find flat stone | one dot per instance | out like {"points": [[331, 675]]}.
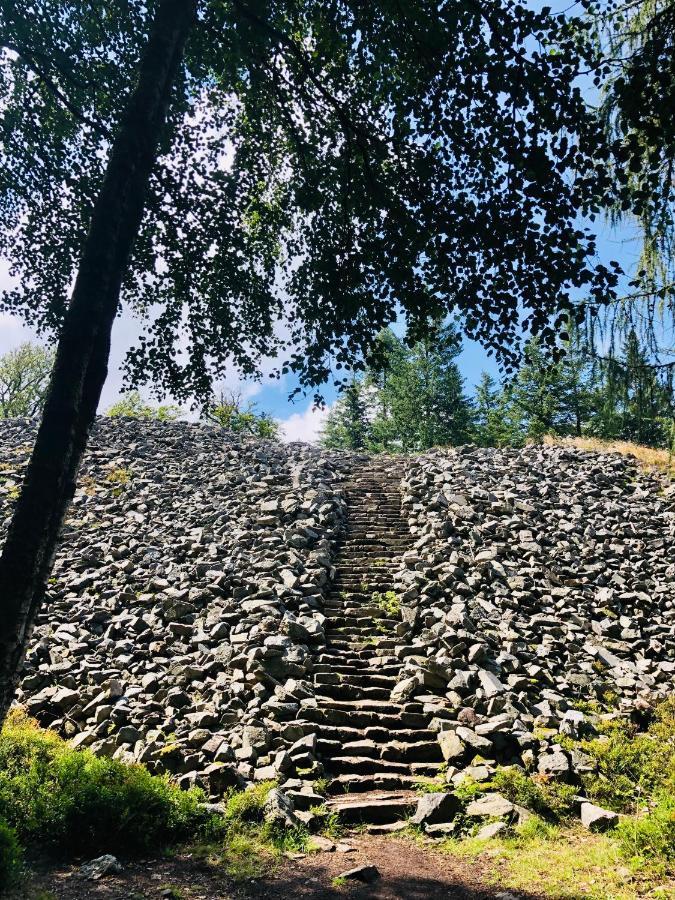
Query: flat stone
{"points": [[595, 818], [452, 747], [366, 873], [491, 830], [493, 805], [433, 809], [319, 844]]}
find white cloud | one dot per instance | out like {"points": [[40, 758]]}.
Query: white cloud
{"points": [[304, 426]]}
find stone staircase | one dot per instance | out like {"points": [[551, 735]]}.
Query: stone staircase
{"points": [[374, 750]]}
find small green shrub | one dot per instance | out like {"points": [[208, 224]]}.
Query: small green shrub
{"points": [[552, 800], [56, 796], [468, 789], [650, 836], [248, 805], [10, 855], [632, 765]]}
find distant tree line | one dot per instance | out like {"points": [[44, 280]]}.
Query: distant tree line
{"points": [[24, 378], [413, 397]]}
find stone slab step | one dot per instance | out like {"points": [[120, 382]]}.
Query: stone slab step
{"points": [[356, 680], [346, 784], [351, 692], [364, 765], [367, 719]]}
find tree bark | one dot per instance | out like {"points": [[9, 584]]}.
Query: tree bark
{"points": [[81, 364]]}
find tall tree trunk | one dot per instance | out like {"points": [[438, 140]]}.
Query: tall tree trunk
{"points": [[81, 363]]}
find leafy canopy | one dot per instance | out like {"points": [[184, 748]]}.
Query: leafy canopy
{"points": [[133, 406], [24, 377], [324, 166]]}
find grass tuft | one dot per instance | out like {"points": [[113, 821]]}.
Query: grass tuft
{"points": [[650, 458]]}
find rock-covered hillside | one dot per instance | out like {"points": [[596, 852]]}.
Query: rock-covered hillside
{"points": [[187, 588], [188, 603], [540, 578]]}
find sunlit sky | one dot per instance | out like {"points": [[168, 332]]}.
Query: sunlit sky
{"points": [[299, 420]]}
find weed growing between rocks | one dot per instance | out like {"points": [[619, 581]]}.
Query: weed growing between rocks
{"points": [[388, 602], [243, 842]]}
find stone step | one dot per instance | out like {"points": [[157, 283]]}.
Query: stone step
{"points": [[364, 765], [340, 611], [361, 630], [370, 680], [351, 645], [347, 784], [378, 808], [413, 751], [360, 719], [346, 734], [362, 659], [346, 691], [386, 707]]}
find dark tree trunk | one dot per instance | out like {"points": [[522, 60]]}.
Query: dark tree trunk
{"points": [[81, 362]]}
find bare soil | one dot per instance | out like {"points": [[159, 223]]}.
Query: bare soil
{"points": [[407, 872]]}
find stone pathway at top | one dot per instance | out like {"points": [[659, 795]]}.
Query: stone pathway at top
{"points": [[374, 750]]}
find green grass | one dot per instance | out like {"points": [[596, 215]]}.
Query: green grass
{"points": [[550, 799], [565, 864], [243, 845], [635, 776], [247, 806], [431, 786]]}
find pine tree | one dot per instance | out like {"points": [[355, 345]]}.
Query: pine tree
{"points": [[496, 423], [347, 426], [554, 397], [536, 393], [422, 400], [631, 403]]}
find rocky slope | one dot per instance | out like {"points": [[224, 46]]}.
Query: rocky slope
{"points": [[186, 598], [541, 580], [229, 610]]}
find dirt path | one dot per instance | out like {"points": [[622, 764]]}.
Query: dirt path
{"points": [[407, 872]]}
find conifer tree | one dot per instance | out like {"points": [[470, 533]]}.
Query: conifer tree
{"points": [[495, 421], [630, 402], [347, 426], [422, 401]]}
